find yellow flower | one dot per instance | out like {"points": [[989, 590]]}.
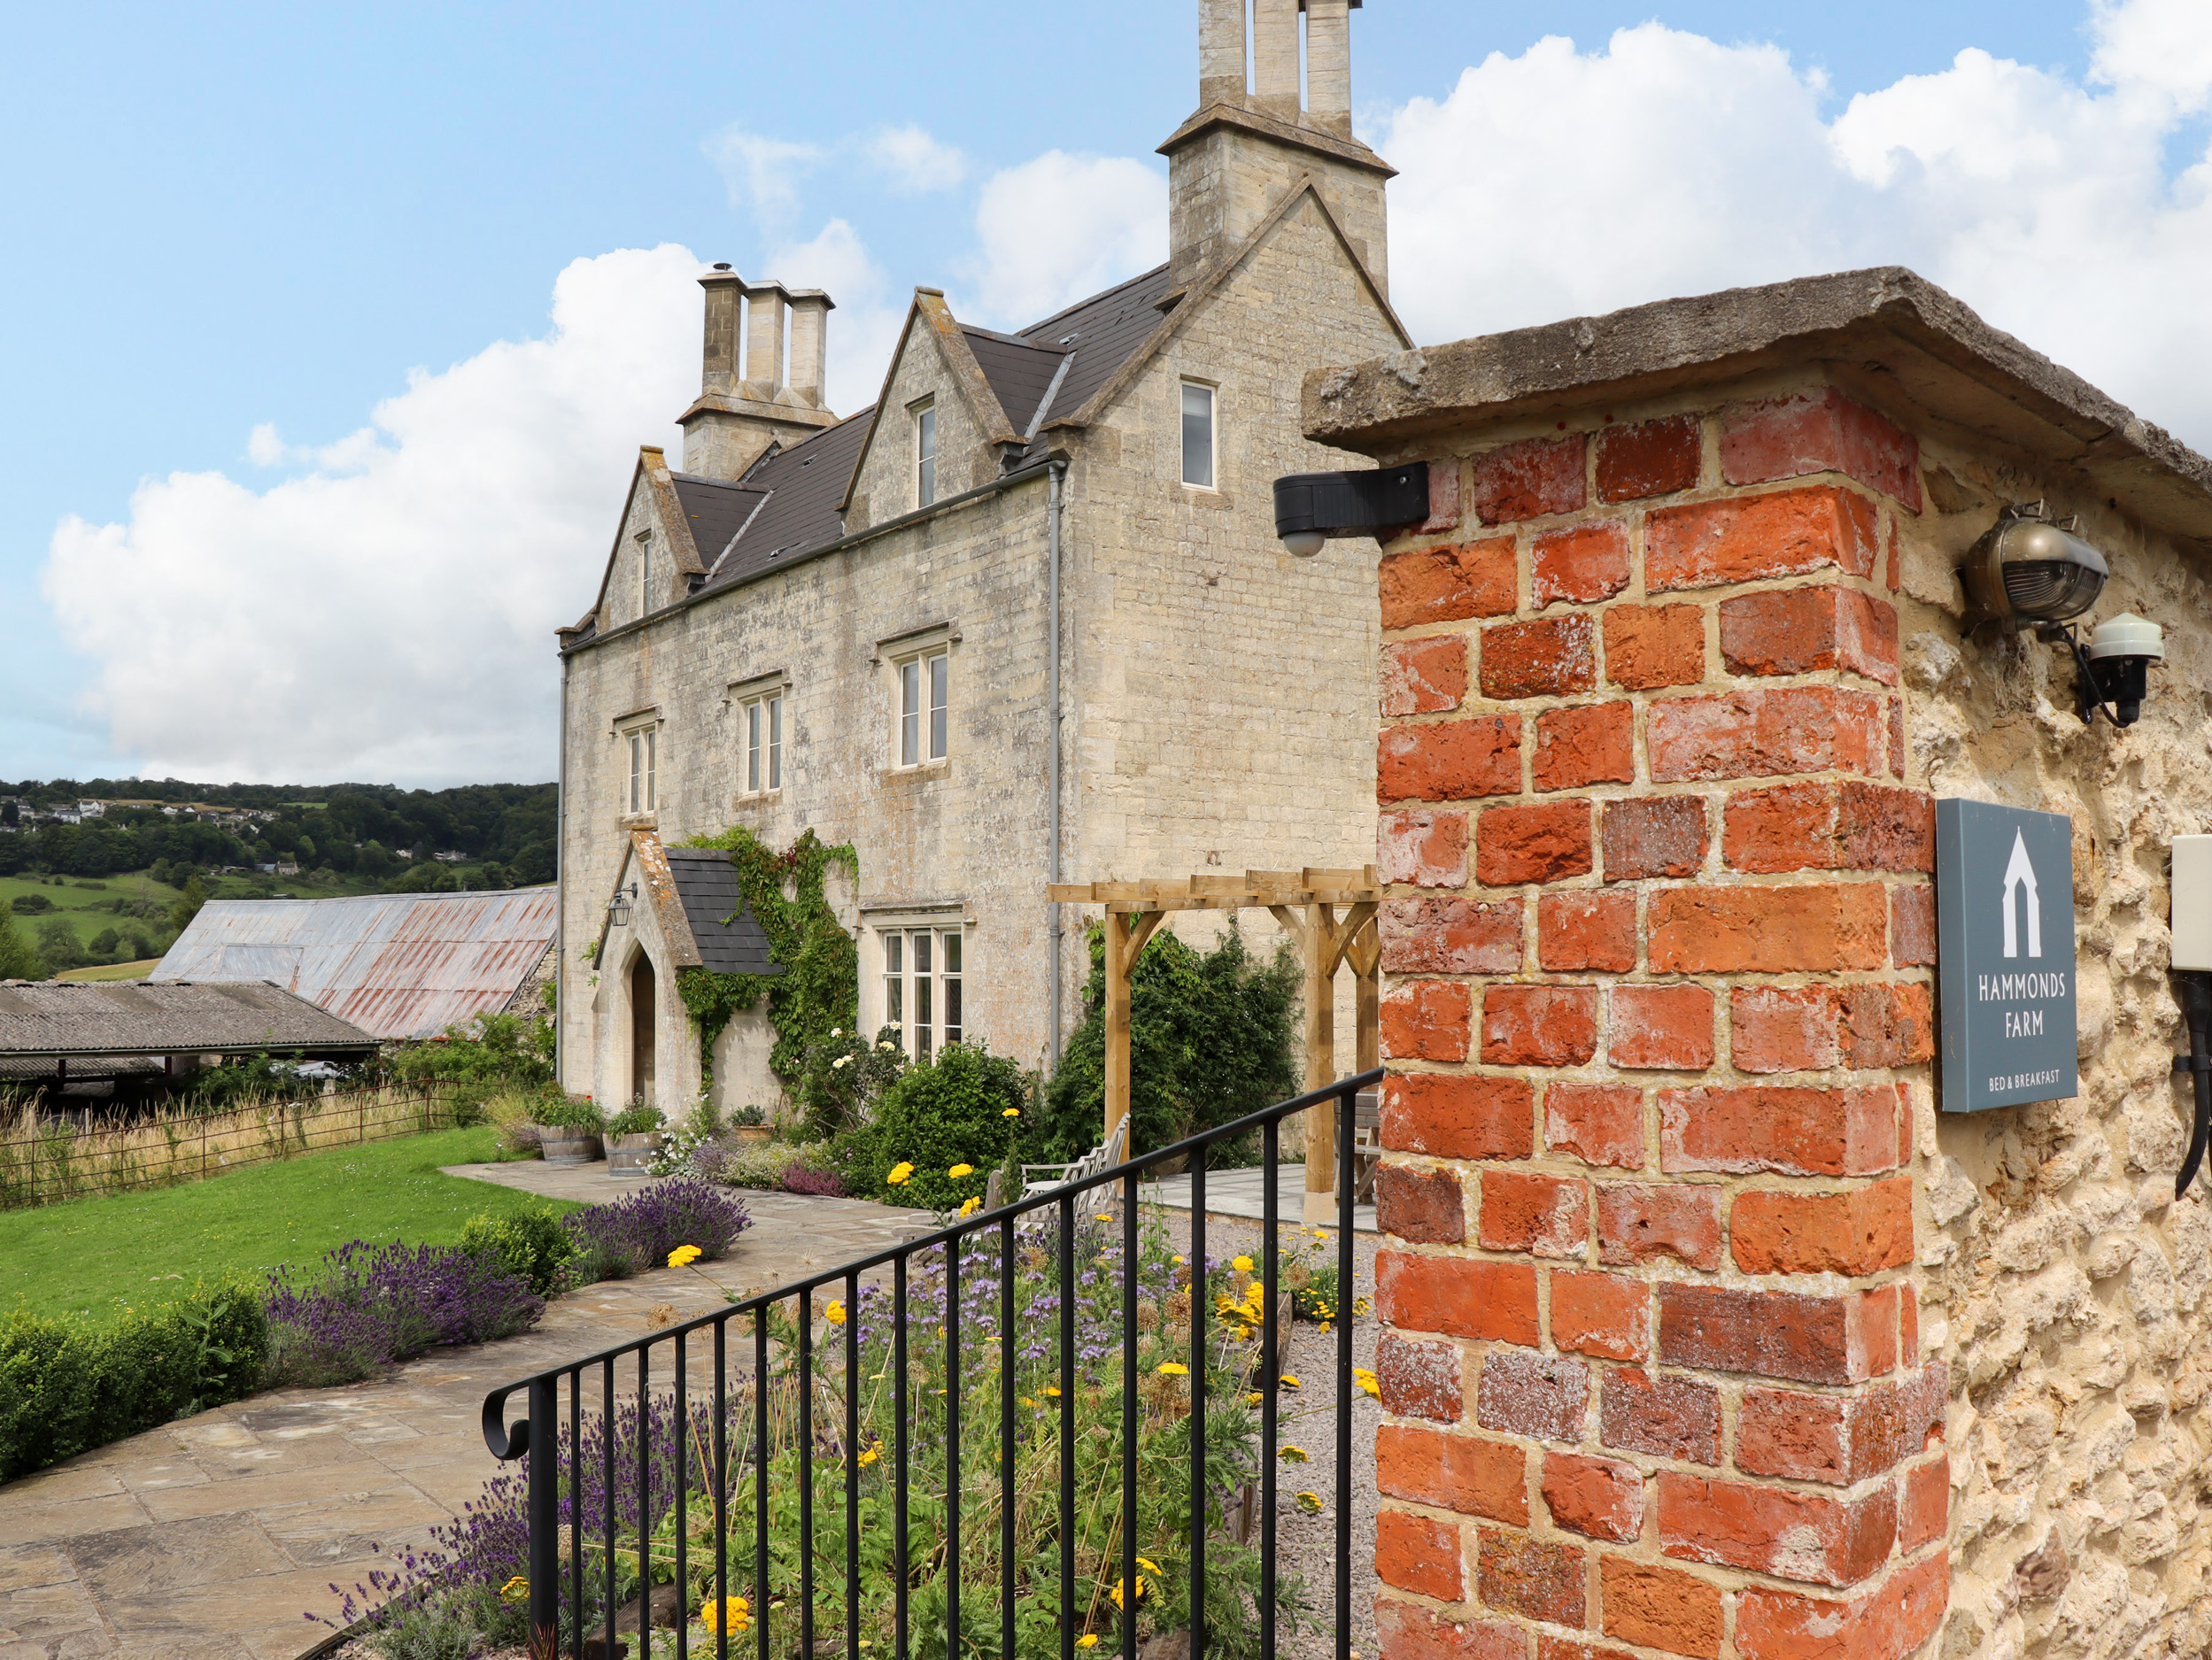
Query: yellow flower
{"points": [[1242, 1264], [834, 1314], [1103, 1217], [733, 1613], [969, 1207], [1177, 1260], [1293, 1455], [868, 1455], [514, 1589], [899, 1174], [1136, 1594], [1150, 1567], [1325, 1328], [1254, 1399], [685, 1256], [1173, 1368], [1310, 1503], [1088, 1639], [1367, 1382], [959, 1171], [1016, 1112], [1052, 1389], [1289, 1382], [1365, 1305]]}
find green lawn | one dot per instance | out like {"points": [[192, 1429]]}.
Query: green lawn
{"points": [[137, 970], [83, 1256], [87, 904]]}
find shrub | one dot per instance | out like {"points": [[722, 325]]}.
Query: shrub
{"points": [[376, 1304], [760, 1165], [531, 1244], [823, 1183], [556, 1111], [30, 904], [844, 1076], [66, 1386], [19, 961], [498, 1049], [951, 1109], [1210, 1041], [637, 1232], [636, 1120]]}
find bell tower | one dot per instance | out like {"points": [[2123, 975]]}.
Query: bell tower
{"points": [[1255, 132]]}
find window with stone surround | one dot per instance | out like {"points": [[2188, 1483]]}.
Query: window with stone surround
{"points": [[763, 742], [641, 789], [924, 452], [922, 979], [924, 720], [1198, 435]]}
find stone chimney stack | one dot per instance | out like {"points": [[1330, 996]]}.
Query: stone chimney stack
{"points": [[1329, 65], [718, 359], [1252, 139], [1275, 56], [764, 339], [1220, 52], [810, 310], [733, 422]]}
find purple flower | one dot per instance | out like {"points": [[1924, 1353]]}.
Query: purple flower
{"points": [[638, 1232], [371, 1305]]}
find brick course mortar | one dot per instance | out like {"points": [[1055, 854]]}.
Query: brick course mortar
{"points": [[1679, 1222]]}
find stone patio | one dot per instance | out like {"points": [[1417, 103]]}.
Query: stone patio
{"points": [[213, 1536]]}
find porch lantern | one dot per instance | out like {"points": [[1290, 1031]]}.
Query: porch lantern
{"points": [[618, 908]]}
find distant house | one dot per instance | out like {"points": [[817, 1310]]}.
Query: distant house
{"points": [[397, 965], [91, 809]]}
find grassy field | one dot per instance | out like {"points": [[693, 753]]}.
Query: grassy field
{"points": [[137, 970], [86, 1255], [87, 904]]}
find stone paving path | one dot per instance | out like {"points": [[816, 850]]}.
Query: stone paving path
{"points": [[209, 1538]]}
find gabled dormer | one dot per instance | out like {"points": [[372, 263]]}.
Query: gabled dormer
{"points": [[957, 409], [654, 561]]}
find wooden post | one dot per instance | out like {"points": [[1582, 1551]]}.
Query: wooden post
{"points": [[1320, 928], [1364, 954], [1126, 935]]}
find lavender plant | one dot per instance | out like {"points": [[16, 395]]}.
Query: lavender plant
{"points": [[371, 1305], [637, 1232]]}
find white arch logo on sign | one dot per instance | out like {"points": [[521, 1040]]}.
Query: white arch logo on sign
{"points": [[2020, 872]]}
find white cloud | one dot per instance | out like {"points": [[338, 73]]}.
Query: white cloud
{"points": [[1559, 183], [865, 324], [264, 447], [1054, 229], [915, 162], [389, 613], [762, 174]]}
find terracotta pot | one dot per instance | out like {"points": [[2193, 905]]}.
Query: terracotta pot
{"points": [[627, 1156], [569, 1146], [752, 1132]]}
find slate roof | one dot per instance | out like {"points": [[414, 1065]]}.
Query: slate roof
{"points": [[397, 965], [63, 1018], [786, 506], [706, 883]]}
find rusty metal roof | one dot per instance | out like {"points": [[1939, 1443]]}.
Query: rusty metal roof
{"points": [[107, 1018], [397, 965]]}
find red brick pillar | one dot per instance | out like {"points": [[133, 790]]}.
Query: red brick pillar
{"points": [[1658, 942]]}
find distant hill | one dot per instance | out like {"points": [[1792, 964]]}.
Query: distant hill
{"points": [[361, 837]]}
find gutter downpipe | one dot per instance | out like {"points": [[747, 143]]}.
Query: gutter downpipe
{"points": [[560, 884], [1052, 857]]}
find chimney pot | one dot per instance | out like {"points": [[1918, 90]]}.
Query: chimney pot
{"points": [[764, 339], [810, 310], [1275, 55], [718, 353]]}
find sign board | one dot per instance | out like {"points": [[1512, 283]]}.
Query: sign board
{"points": [[2005, 923]]}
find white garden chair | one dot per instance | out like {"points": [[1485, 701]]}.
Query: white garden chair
{"points": [[1042, 1178]]}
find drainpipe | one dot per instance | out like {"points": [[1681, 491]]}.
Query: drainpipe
{"points": [[560, 884], [1052, 857]]}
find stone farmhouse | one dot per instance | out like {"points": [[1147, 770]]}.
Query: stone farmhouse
{"points": [[1024, 620]]}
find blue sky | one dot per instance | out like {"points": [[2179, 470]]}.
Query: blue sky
{"points": [[272, 215]]}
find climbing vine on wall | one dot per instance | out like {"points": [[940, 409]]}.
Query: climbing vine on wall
{"points": [[818, 991]]}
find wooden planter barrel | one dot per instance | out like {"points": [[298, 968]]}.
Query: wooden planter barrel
{"points": [[569, 1146], [627, 1156], [752, 1133]]}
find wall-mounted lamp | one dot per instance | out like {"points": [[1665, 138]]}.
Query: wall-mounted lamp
{"points": [[2030, 571], [1312, 508], [618, 908]]}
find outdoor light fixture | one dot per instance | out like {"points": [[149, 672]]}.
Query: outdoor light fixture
{"points": [[618, 908], [1311, 508], [2030, 571]]}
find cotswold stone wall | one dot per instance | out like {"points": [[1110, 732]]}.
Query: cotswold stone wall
{"points": [[1711, 1337], [2059, 1278]]}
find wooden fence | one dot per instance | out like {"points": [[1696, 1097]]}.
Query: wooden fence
{"points": [[46, 1160]]}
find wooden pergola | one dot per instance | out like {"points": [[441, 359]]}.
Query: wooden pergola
{"points": [[1330, 913]]}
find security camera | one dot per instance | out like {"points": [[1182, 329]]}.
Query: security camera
{"points": [[1312, 508], [2030, 572], [2119, 655]]}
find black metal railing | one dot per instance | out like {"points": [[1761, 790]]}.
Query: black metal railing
{"points": [[771, 1476]]}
